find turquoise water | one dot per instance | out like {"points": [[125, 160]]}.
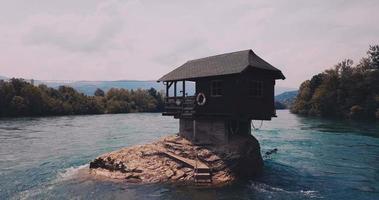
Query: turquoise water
{"points": [[41, 158]]}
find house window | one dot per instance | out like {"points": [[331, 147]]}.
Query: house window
{"points": [[255, 88], [216, 88]]}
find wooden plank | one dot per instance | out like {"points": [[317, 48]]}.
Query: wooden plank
{"points": [[188, 161]]}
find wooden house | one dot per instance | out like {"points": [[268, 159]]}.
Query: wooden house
{"points": [[231, 90]]}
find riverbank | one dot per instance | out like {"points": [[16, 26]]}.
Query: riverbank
{"points": [[153, 163], [20, 98]]}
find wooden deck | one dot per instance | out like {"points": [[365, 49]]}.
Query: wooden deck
{"points": [[180, 107]]}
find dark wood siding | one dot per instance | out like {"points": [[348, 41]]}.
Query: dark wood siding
{"points": [[235, 101], [258, 107], [217, 104]]}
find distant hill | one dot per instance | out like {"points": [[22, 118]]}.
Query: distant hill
{"points": [[280, 90], [280, 106], [89, 87], [287, 98]]}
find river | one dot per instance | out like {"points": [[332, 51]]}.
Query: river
{"points": [[40, 158]]}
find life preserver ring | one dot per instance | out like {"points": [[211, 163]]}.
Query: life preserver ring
{"points": [[201, 99]]}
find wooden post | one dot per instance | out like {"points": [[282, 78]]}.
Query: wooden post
{"points": [[175, 91], [168, 85], [167, 89], [184, 89], [194, 131]]}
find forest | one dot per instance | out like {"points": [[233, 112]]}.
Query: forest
{"points": [[20, 98], [345, 91]]}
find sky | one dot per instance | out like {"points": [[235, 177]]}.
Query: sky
{"points": [[144, 39]]}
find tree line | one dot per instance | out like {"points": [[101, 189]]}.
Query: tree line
{"points": [[20, 98], [345, 91]]}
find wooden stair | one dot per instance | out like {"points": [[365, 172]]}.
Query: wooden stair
{"points": [[202, 173]]}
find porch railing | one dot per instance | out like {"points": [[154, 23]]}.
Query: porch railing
{"points": [[180, 105]]}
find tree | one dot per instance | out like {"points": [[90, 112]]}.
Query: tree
{"points": [[33, 99], [99, 93], [302, 104], [7, 92], [94, 106], [343, 91], [373, 53], [19, 98], [18, 106], [115, 106]]}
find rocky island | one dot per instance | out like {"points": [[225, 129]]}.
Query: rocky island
{"points": [[214, 143], [170, 159]]}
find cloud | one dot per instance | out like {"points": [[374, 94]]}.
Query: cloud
{"points": [[108, 40], [73, 32]]}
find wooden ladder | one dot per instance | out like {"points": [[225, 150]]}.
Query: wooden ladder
{"points": [[202, 173]]}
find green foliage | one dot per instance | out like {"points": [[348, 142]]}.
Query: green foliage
{"points": [[279, 106], [344, 91], [373, 53], [121, 100], [99, 92], [20, 98], [18, 106], [116, 106]]}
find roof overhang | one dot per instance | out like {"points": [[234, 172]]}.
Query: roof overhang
{"points": [[220, 65]]}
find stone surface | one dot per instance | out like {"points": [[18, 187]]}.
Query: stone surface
{"points": [[240, 158]]}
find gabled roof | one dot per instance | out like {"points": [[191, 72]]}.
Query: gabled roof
{"points": [[223, 64]]}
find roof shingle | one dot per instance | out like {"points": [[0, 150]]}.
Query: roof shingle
{"points": [[223, 64]]}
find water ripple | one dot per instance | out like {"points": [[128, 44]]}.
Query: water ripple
{"points": [[47, 158]]}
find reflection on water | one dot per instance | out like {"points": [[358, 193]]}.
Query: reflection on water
{"points": [[48, 158], [340, 126]]}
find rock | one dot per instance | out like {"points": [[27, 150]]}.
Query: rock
{"points": [[240, 158], [178, 174], [169, 173], [187, 170]]}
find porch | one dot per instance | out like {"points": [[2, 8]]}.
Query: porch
{"points": [[180, 107]]}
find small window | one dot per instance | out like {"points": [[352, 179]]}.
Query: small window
{"points": [[255, 88], [216, 88]]}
